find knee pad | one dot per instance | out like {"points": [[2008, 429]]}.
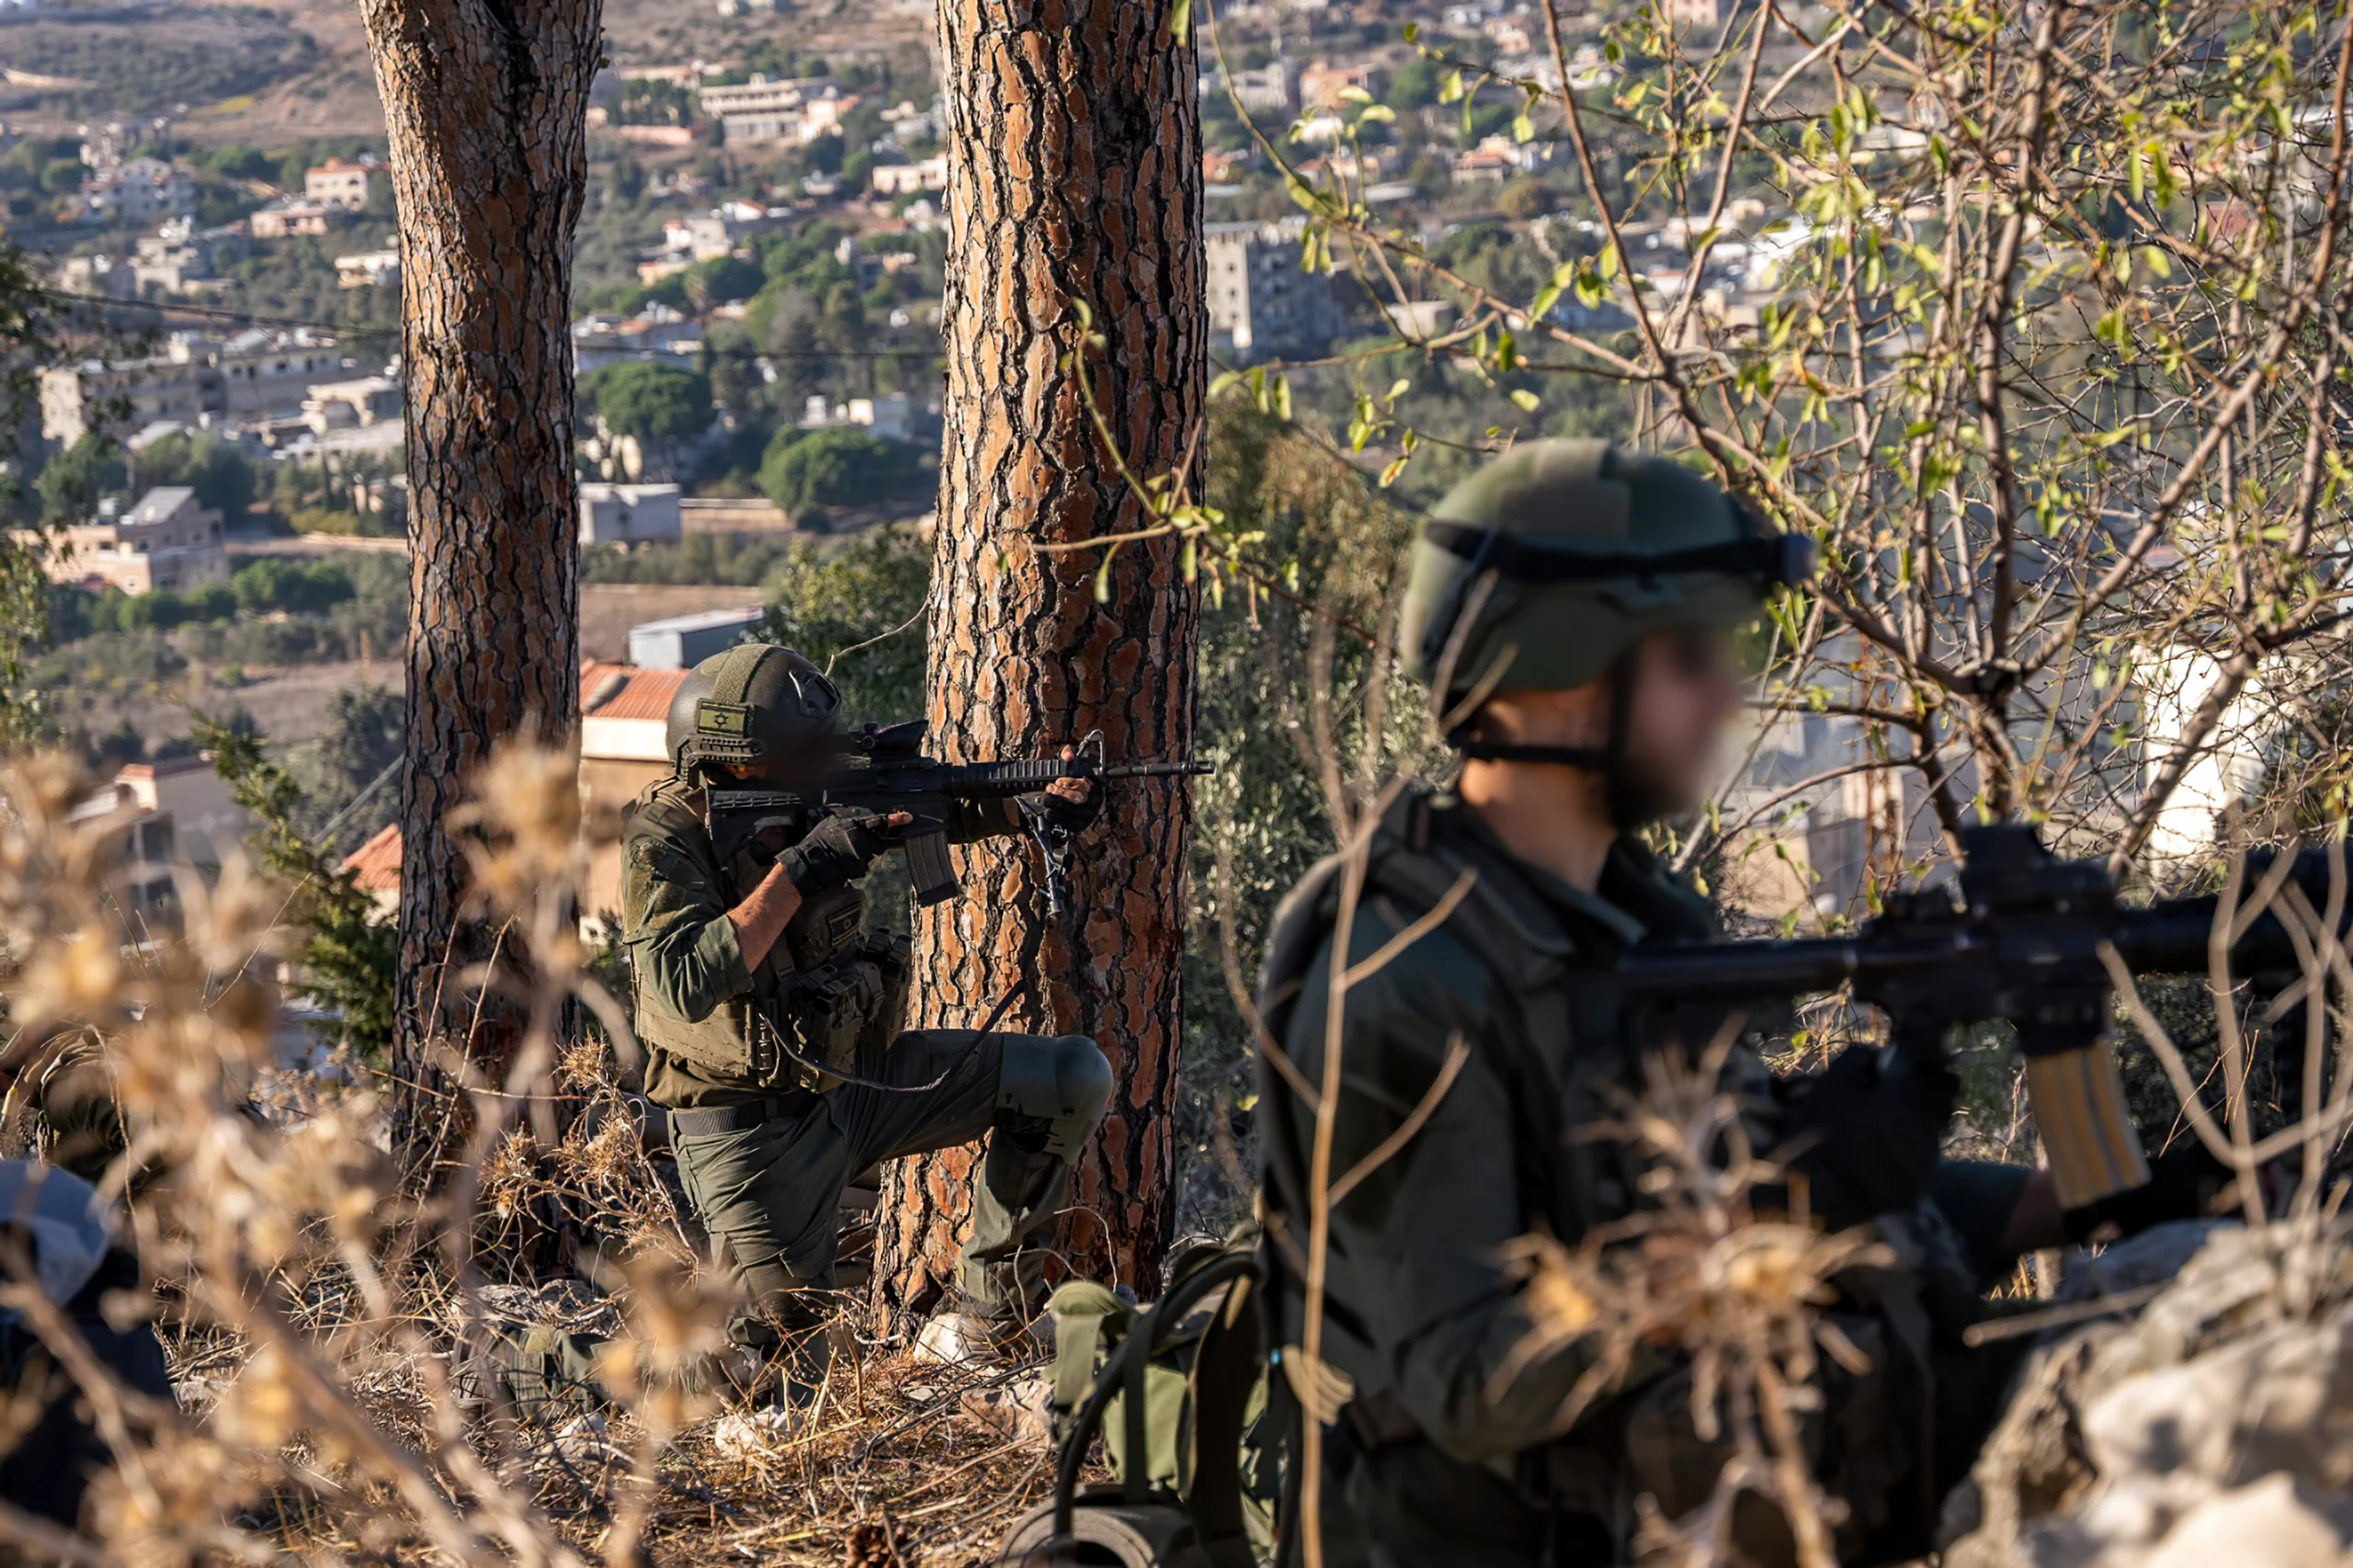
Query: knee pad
{"points": [[1063, 1081]]}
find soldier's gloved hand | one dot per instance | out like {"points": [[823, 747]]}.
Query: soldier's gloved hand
{"points": [[839, 849], [2184, 1184], [1073, 813], [1867, 1131]]}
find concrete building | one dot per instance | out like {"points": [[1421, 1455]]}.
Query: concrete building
{"points": [[107, 277], [142, 191], [1322, 83], [171, 816], [628, 514], [682, 641], [110, 144], [255, 372], [1699, 13], [1261, 305], [762, 110], [353, 404], [909, 180], [290, 217], [1271, 89], [336, 182], [367, 269], [166, 542]]}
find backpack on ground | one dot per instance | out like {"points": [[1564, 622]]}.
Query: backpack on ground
{"points": [[1179, 1392]]}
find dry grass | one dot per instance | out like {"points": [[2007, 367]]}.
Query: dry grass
{"points": [[317, 1308]]}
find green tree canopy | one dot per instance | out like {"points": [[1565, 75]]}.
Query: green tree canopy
{"points": [[653, 403], [836, 466], [71, 482], [206, 464]]}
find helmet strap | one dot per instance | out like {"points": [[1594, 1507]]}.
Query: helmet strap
{"points": [[1622, 796]]}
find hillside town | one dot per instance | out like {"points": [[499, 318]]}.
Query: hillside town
{"points": [[917, 783]]}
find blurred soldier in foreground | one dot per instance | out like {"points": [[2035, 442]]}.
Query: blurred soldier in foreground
{"points": [[1576, 605], [54, 1225], [770, 1015]]}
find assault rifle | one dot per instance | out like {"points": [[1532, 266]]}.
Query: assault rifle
{"points": [[2019, 943], [897, 776]]}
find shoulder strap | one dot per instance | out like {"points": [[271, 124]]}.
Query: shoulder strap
{"points": [[1502, 920]]}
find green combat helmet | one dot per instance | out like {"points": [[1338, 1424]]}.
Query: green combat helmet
{"points": [[754, 706], [1543, 569]]}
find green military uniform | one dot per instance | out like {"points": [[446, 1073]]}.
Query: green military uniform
{"points": [[785, 1079], [1543, 572], [1420, 1309]]}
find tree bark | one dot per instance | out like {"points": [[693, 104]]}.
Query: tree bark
{"points": [[1073, 177], [485, 104]]}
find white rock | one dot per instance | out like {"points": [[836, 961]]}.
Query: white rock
{"points": [[955, 1339], [2268, 1523], [1020, 1412], [745, 1433]]}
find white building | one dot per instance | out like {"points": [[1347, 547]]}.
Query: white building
{"points": [[166, 541], [629, 514], [1261, 305], [336, 182], [142, 191], [367, 269], [908, 179]]}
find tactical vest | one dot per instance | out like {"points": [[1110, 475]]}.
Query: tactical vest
{"points": [[1569, 1185], [1641, 1443], [829, 990]]}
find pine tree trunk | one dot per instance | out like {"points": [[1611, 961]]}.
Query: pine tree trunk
{"points": [[486, 105], [1073, 177]]}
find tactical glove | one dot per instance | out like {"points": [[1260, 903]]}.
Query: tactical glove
{"points": [[837, 851], [1866, 1133], [1073, 817], [2184, 1182]]}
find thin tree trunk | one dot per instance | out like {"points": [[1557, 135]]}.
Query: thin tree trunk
{"points": [[485, 104], [1073, 177]]}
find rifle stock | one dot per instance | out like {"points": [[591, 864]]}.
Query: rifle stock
{"points": [[2020, 944]]}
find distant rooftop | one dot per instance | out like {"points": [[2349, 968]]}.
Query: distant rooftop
{"points": [[702, 620], [375, 866], [159, 504]]}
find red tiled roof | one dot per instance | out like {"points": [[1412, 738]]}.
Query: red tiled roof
{"points": [[376, 865], [634, 693]]}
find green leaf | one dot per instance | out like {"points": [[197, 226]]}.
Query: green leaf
{"points": [[1450, 87], [1225, 382], [1522, 128], [1528, 402], [1282, 398], [1397, 389], [1180, 19], [1411, 33], [1606, 263], [1388, 474]]}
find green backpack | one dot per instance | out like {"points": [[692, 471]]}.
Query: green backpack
{"points": [[1179, 1394]]}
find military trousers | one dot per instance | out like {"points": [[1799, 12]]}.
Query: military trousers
{"points": [[769, 1194]]}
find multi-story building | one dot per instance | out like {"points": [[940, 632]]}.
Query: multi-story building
{"points": [[170, 816], [144, 190], [74, 399], [756, 110], [107, 146], [1261, 305], [353, 404], [1271, 89], [291, 216], [909, 180], [166, 542], [1321, 85], [255, 372], [367, 269], [337, 183]]}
